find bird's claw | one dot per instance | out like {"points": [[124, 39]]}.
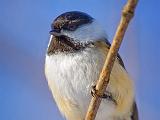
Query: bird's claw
{"points": [[93, 91], [106, 95]]}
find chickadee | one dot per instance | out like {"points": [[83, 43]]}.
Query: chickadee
{"points": [[75, 56]]}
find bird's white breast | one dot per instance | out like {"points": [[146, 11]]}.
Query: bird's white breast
{"points": [[72, 76]]}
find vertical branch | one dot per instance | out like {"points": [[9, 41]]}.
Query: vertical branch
{"points": [[127, 14]]}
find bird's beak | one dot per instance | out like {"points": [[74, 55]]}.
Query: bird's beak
{"points": [[52, 42], [55, 33]]}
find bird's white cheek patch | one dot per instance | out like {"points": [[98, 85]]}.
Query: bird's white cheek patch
{"points": [[89, 32]]}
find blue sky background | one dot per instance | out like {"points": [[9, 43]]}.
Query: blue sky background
{"points": [[24, 28]]}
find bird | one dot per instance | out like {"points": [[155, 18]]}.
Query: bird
{"points": [[75, 55]]}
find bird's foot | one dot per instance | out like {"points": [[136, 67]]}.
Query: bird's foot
{"points": [[107, 95], [94, 93]]}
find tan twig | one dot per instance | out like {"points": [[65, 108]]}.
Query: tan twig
{"points": [[103, 81]]}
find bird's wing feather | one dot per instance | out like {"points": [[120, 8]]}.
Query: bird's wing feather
{"points": [[134, 115], [118, 56]]}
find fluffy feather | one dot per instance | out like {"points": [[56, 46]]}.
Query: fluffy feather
{"points": [[71, 75]]}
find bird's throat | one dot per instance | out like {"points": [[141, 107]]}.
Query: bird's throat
{"points": [[64, 44]]}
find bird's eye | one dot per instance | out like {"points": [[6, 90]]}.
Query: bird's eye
{"points": [[72, 27]]}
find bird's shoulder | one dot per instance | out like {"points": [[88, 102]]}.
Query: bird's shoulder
{"points": [[105, 45]]}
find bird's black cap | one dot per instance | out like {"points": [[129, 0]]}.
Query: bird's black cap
{"points": [[70, 21]]}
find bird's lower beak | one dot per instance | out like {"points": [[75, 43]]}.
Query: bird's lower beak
{"points": [[51, 44]]}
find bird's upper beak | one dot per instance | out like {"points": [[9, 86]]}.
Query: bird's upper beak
{"points": [[55, 32]]}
